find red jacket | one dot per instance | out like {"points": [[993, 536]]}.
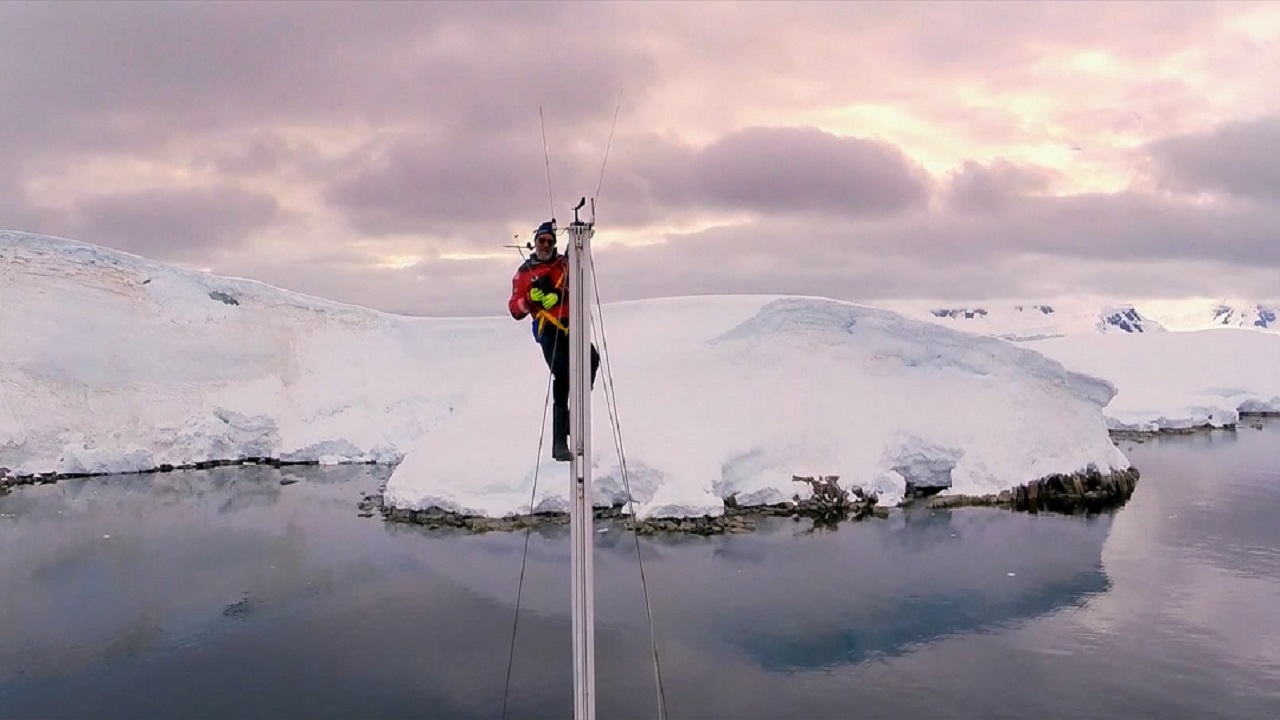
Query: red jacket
{"points": [[551, 276]]}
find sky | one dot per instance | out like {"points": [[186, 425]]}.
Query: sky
{"points": [[385, 154]]}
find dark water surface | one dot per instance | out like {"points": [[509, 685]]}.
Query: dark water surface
{"points": [[222, 593]]}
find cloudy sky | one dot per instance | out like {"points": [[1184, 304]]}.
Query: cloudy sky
{"points": [[385, 154]]}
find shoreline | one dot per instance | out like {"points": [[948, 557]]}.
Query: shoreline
{"points": [[1253, 419], [1083, 491]]}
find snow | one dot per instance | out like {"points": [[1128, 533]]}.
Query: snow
{"points": [[114, 363], [1202, 313], [1178, 380], [732, 396]]}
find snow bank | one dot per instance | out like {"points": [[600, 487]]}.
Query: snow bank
{"points": [[733, 396], [1178, 380], [114, 363]]}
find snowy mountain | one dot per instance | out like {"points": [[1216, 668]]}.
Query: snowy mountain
{"points": [[114, 363], [1034, 321], [1204, 313], [1257, 316]]}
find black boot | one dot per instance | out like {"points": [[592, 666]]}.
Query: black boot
{"points": [[560, 434]]}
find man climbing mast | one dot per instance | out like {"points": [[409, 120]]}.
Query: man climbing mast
{"points": [[539, 289]]}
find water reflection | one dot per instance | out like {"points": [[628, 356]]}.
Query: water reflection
{"points": [[226, 593], [793, 600], [114, 567]]}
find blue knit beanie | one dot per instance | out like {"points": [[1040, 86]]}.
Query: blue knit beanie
{"points": [[548, 227]]}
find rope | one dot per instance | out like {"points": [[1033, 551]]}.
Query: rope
{"points": [[547, 157], [528, 531], [615, 425], [611, 402], [537, 465], [608, 144]]}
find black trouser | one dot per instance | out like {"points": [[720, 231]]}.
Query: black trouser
{"points": [[555, 349]]}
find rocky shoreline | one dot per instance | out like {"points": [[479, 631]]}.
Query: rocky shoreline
{"points": [[829, 505], [8, 481], [1085, 492], [1253, 418]]}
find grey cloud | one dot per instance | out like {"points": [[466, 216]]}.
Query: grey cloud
{"points": [[1002, 41], [438, 287], [86, 73], [988, 188], [1112, 244], [474, 193], [809, 171], [1120, 245], [136, 72], [16, 211], [169, 224], [447, 96], [1128, 226], [418, 184], [257, 152], [1237, 158], [422, 184]]}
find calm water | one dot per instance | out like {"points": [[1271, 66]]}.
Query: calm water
{"points": [[225, 594]]}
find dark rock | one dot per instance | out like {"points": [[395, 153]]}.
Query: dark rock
{"points": [[223, 297], [237, 608], [1087, 491], [828, 505]]}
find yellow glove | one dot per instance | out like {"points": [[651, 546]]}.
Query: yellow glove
{"points": [[546, 299]]}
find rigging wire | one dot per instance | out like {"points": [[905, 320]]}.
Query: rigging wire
{"points": [[528, 531], [607, 145], [611, 402], [626, 482], [615, 425], [533, 493], [547, 157]]}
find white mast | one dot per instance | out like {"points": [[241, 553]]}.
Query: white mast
{"points": [[580, 505]]}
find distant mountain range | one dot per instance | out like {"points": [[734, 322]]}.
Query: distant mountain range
{"points": [[1039, 320], [1205, 313], [1258, 316]]}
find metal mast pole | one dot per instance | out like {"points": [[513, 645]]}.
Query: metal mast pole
{"points": [[580, 506]]}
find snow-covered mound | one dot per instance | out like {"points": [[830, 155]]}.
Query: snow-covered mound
{"points": [[114, 363], [1178, 380], [732, 396], [1035, 321]]}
